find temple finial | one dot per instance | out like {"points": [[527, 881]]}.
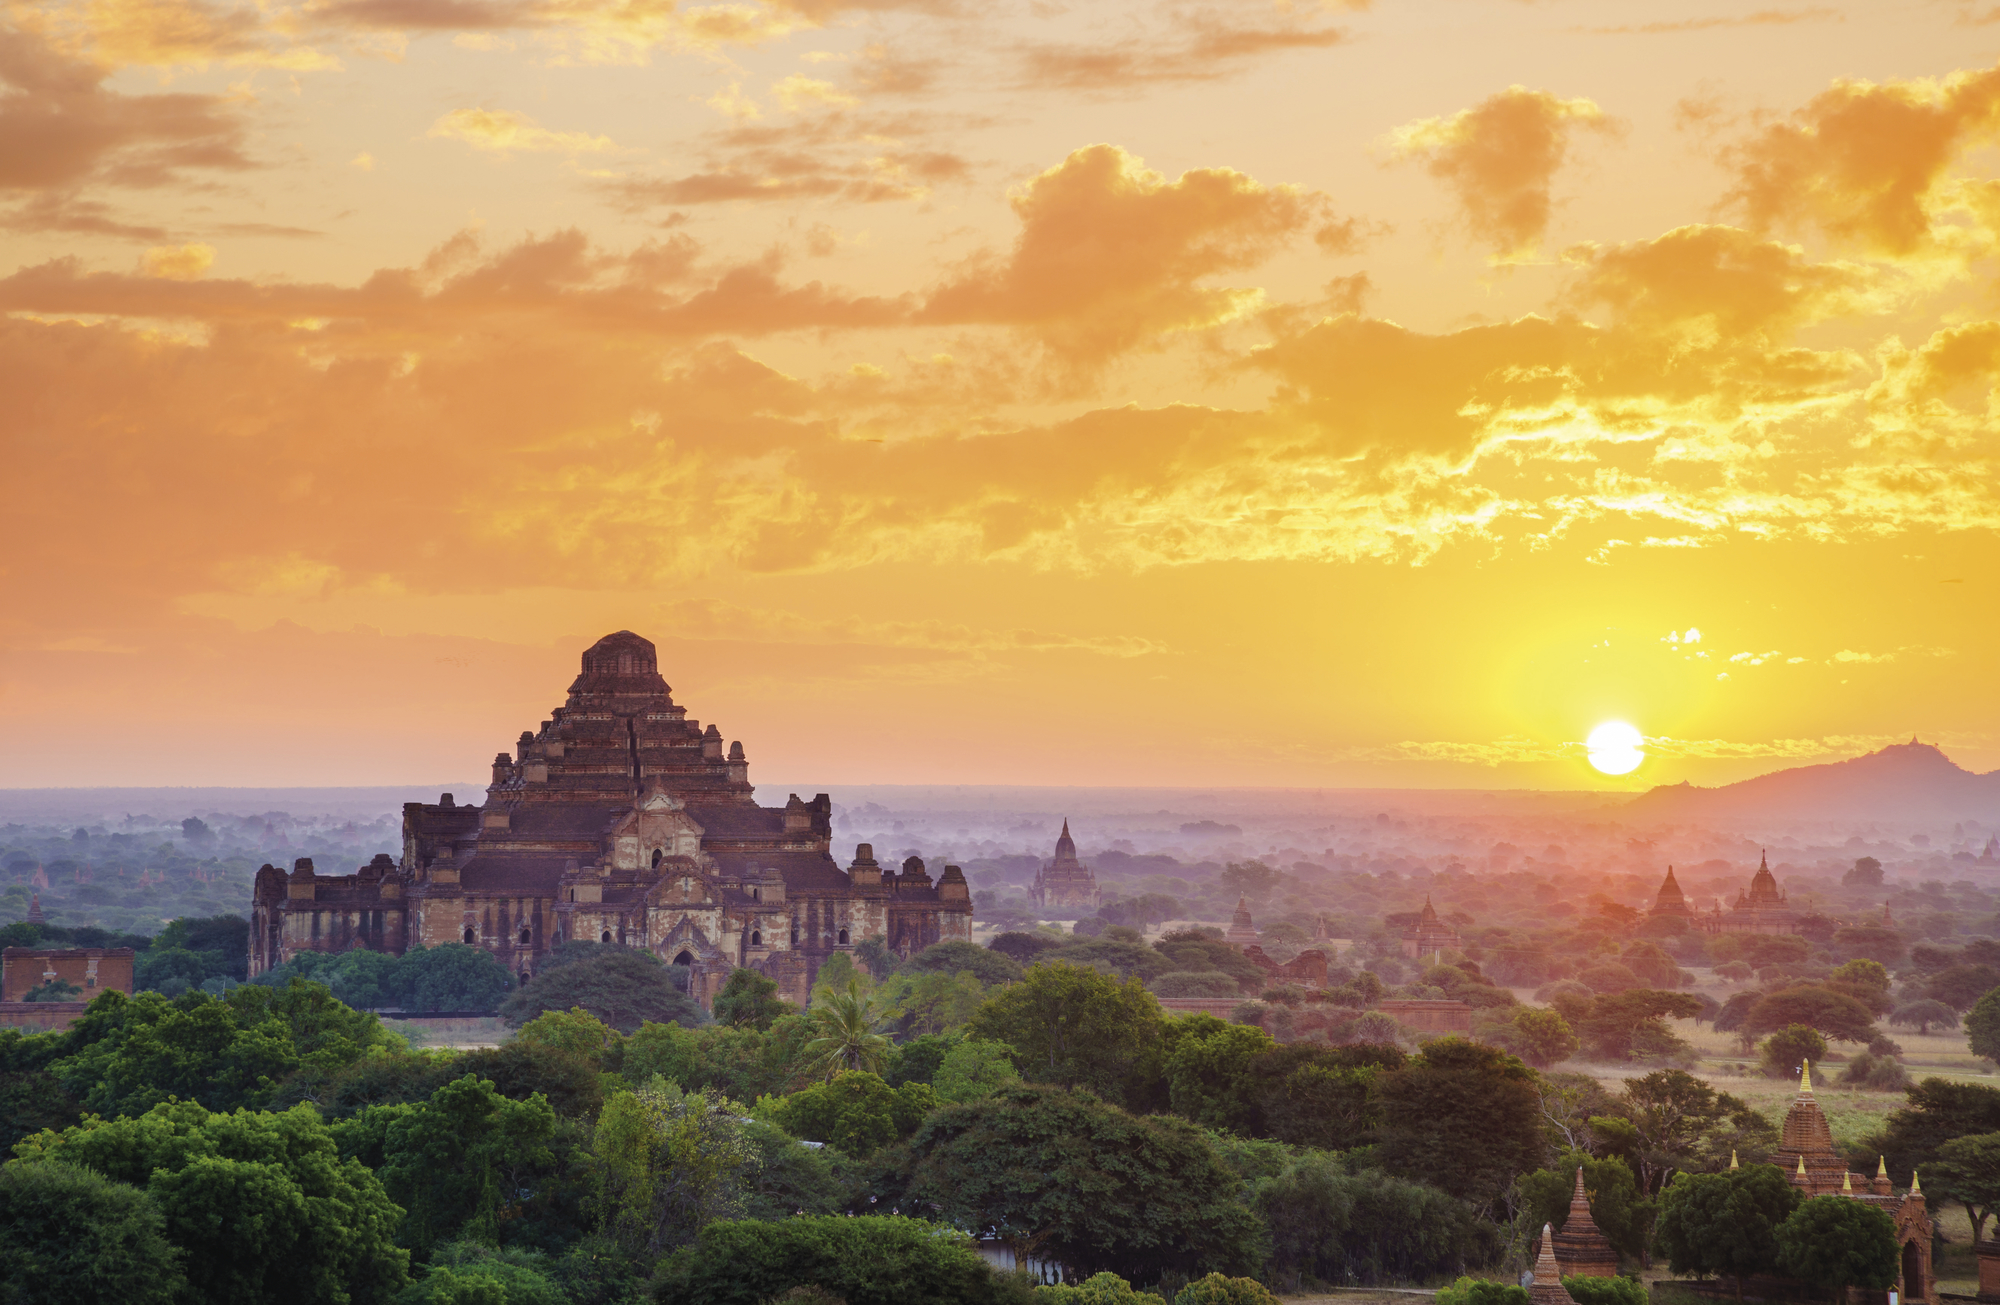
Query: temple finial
{"points": [[1805, 1077], [1847, 1184], [1802, 1166], [1916, 1184], [1732, 1159], [1882, 1166]]}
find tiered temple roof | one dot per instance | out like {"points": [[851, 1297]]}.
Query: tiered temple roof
{"points": [[1242, 931], [1671, 901]]}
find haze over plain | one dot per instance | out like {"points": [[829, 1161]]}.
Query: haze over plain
{"points": [[1092, 394]]}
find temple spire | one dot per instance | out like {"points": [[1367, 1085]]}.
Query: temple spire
{"points": [[1805, 1078], [1847, 1184], [1882, 1166], [1802, 1166], [1916, 1184], [1732, 1159]]}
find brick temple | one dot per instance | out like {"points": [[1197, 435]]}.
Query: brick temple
{"points": [[619, 820], [1065, 882]]}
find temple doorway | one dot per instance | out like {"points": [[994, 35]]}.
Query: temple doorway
{"points": [[1914, 1286]]}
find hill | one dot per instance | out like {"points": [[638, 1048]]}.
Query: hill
{"points": [[1910, 782]]}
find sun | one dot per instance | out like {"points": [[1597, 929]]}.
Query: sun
{"points": [[1615, 748]]}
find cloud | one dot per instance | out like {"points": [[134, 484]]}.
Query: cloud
{"points": [[797, 93], [833, 156], [500, 131], [1198, 45], [712, 619], [179, 263], [1500, 157], [64, 135], [175, 34], [1863, 162], [1760, 18], [1111, 255]]}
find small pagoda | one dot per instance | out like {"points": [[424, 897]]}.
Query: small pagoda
{"points": [[1430, 936], [1242, 931], [1671, 904], [1545, 1284], [1581, 1247]]}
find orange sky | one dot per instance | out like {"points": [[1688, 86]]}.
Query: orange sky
{"points": [[1095, 393]]}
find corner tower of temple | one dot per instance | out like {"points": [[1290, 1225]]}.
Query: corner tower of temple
{"points": [[618, 820]]}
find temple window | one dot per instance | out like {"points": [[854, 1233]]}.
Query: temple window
{"points": [[658, 856], [843, 937], [606, 937], [468, 933], [756, 938], [525, 936]]}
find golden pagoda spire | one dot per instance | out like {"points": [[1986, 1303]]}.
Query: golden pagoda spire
{"points": [[1847, 1184], [1916, 1184], [1732, 1159], [1802, 1166], [1881, 1166], [1805, 1077]]}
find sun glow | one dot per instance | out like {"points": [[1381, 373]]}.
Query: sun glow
{"points": [[1615, 748]]}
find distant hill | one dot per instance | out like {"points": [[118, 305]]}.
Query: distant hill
{"points": [[1912, 782]]}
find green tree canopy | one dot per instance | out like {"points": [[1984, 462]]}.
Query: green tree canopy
{"points": [[1837, 1243], [1074, 1027], [855, 1112], [1724, 1223], [1967, 1170], [1834, 1014], [1462, 1117], [623, 986], [669, 1163], [1208, 1068], [749, 1000], [1317, 1095], [972, 1069], [989, 965], [1066, 1176], [1621, 1025], [261, 1207], [1785, 1053], [1939, 1110], [1366, 1227], [75, 1237], [880, 1259], [1923, 1013]]}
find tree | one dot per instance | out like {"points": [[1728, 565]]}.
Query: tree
{"points": [[1960, 986], [1924, 1013], [1482, 1291], [1220, 1289], [1870, 942], [855, 1112], [1619, 1026], [973, 1069], [1196, 983], [53, 990], [844, 1033], [623, 986], [1679, 1122], [1314, 1095], [1724, 1223], [880, 1259], [74, 1237], [1786, 1052], [1073, 1027], [1939, 1110], [931, 1001], [468, 1273], [1540, 1036], [1865, 981], [1867, 873], [1252, 879], [1967, 1170], [261, 1207], [1208, 1069], [1834, 1014], [574, 1032], [748, 1000], [1462, 1117], [1839, 1243], [1982, 1026], [456, 1163], [669, 1163], [1068, 1177], [989, 965], [1022, 948], [454, 976], [1365, 1228], [1099, 1289]]}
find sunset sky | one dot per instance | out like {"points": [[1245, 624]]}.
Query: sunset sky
{"points": [[1041, 393]]}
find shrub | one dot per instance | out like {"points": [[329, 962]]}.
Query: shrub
{"points": [[1480, 1291], [1218, 1290], [1605, 1291], [1103, 1289], [1875, 1073]]}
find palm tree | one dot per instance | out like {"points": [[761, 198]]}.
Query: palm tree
{"points": [[844, 1025]]}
